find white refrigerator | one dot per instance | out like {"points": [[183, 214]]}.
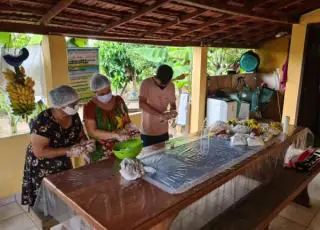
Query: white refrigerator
{"points": [[220, 110]]}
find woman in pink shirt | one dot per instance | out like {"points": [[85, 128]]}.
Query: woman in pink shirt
{"points": [[156, 94]]}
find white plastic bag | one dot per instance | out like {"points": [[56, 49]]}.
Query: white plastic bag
{"points": [[242, 129], [239, 139], [131, 169], [291, 153], [219, 125], [255, 141]]}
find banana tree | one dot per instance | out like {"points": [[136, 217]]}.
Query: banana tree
{"points": [[178, 58], [220, 60]]}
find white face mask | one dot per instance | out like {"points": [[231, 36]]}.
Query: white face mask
{"points": [[105, 98], [71, 111]]}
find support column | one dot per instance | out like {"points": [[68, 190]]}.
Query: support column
{"points": [[293, 87], [199, 88], [55, 59]]}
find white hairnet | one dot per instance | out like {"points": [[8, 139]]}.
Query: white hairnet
{"points": [[99, 81], [63, 95]]}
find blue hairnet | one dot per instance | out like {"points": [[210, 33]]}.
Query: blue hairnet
{"points": [[63, 95], [99, 81]]}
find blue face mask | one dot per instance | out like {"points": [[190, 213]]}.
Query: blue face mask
{"points": [[105, 98]]}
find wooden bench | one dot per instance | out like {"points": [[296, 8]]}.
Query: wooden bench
{"points": [[257, 209]]}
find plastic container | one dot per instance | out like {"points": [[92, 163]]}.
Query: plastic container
{"points": [[128, 149], [285, 125]]}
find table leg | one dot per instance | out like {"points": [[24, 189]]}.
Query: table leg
{"points": [[303, 198]]}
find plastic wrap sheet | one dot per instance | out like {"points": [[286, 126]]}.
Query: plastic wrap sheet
{"points": [[226, 196], [187, 165], [49, 204]]}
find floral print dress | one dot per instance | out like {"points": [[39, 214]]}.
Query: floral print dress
{"points": [[36, 169], [111, 120]]}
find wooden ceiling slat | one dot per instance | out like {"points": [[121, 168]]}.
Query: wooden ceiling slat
{"points": [[204, 25], [150, 8], [95, 11], [173, 23], [224, 28], [63, 4], [237, 33], [250, 4], [237, 11]]}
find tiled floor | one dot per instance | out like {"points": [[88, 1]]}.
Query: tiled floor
{"points": [[293, 217]]}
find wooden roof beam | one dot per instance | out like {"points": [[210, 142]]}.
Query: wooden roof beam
{"points": [[201, 26], [63, 4], [138, 14], [174, 22], [236, 11], [79, 32]]}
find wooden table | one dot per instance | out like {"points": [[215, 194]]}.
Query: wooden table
{"points": [[106, 201]]}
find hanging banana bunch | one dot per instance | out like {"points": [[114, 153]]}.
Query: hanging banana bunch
{"points": [[19, 86]]}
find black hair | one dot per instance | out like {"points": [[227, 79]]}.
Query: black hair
{"points": [[164, 74]]}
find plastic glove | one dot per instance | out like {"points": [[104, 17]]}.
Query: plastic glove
{"points": [[132, 130], [90, 145], [122, 137], [170, 114], [76, 150]]}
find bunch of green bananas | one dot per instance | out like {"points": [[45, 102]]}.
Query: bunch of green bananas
{"points": [[21, 93]]}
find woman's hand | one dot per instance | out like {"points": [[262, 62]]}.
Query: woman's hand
{"points": [[85, 147], [76, 150], [90, 145]]}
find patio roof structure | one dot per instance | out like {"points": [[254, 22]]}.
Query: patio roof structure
{"points": [[227, 23]]}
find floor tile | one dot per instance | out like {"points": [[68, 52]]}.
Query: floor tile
{"points": [[315, 224], [314, 188], [6, 200], [9, 211], [280, 223], [20, 222], [299, 214], [33, 228]]}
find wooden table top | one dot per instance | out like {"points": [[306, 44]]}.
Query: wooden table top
{"points": [[106, 201]]}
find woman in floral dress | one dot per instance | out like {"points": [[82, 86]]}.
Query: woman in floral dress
{"points": [[54, 135], [106, 118]]}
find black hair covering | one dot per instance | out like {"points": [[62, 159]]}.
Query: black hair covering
{"points": [[164, 74]]}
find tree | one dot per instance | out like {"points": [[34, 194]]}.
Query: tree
{"points": [[220, 60], [116, 64], [176, 57]]}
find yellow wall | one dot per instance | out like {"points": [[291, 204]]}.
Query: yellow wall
{"points": [[11, 164], [292, 94], [273, 54], [55, 59], [13, 148]]}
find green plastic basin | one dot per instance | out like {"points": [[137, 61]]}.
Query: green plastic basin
{"points": [[127, 149]]}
